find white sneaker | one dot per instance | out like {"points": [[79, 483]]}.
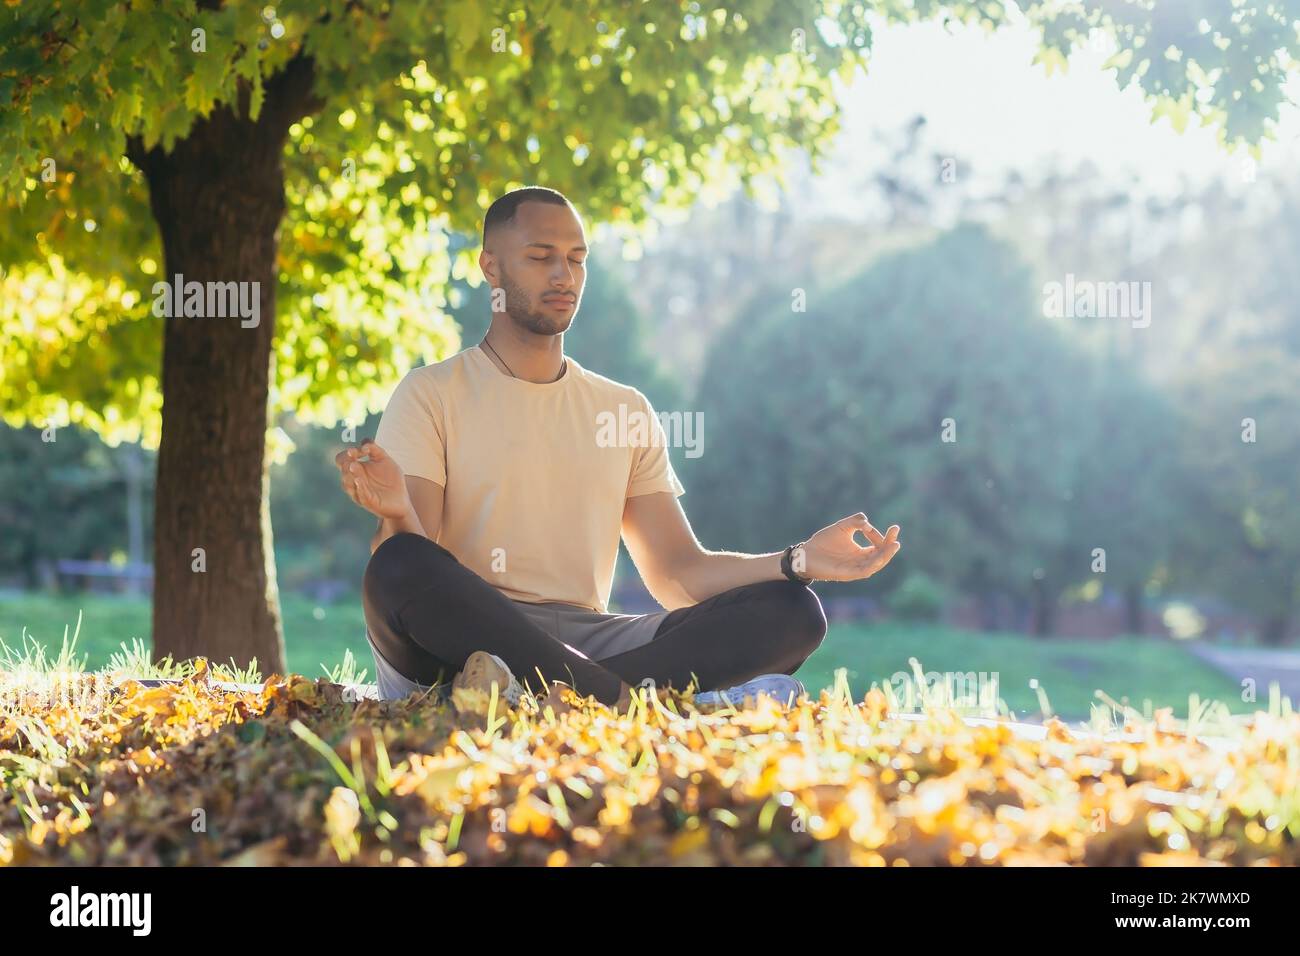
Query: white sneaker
{"points": [[783, 688], [482, 670]]}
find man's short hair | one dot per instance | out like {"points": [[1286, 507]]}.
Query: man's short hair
{"points": [[503, 211]]}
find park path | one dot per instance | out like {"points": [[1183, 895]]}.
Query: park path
{"points": [[1262, 665]]}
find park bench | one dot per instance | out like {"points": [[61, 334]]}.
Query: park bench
{"points": [[138, 576]]}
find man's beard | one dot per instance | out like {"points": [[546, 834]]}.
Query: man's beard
{"points": [[536, 322]]}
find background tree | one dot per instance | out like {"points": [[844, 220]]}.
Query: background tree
{"points": [[1245, 442], [91, 501], [320, 149], [1126, 494], [931, 394]]}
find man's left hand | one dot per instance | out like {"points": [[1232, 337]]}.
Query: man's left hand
{"points": [[832, 554]]}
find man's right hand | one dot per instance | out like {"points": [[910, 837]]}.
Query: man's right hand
{"points": [[376, 484]]}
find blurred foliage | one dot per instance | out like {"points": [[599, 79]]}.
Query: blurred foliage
{"points": [[402, 151], [1243, 518], [77, 508], [953, 408], [919, 598], [426, 118], [926, 343], [321, 537]]}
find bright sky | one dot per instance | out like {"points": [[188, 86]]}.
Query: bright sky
{"points": [[989, 106], [992, 109], [984, 99]]}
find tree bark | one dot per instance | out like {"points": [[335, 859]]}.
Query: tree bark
{"points": [[218, 198]]}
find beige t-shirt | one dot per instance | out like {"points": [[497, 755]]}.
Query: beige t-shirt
{"points": [[535, 475]]}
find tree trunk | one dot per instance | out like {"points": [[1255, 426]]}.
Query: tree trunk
{"points": [[218, 198]]}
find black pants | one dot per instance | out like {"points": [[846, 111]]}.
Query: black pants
{"points": [[427, 612]]}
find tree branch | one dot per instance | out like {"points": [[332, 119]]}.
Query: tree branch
{"points": [[289, 95]]}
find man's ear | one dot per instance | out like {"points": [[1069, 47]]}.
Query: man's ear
{"points": [[487, 262]]}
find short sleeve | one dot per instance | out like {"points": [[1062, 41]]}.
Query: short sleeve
{"points": [[652, 470], [412, 429]]}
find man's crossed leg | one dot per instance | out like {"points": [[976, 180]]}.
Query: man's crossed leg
{"points": [[426, 613]]}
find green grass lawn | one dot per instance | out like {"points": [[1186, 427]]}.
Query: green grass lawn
{"points": [[1129, 670], [313, 634]]}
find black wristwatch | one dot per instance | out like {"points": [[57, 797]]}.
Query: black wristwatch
{"points": [[787, 566]]}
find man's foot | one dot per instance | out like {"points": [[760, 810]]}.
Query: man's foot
{"points": [[481, 671], [782, 688]]}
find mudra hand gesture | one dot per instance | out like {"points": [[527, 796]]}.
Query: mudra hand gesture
{"points": [[833, 554], [374, 480]]}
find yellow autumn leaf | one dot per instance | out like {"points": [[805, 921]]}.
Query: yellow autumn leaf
{"points": [[688, 841]]}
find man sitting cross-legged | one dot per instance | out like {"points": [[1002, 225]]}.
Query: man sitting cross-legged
{"points": [[501, 503]]}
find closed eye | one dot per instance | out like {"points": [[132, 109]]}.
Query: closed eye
{"points": [[576, 262]]}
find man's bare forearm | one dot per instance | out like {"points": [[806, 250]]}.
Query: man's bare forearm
{"points": [[391, 526], [712, 572]]}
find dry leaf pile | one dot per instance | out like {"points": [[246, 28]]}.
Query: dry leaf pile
{"points": [[296, 774]]}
